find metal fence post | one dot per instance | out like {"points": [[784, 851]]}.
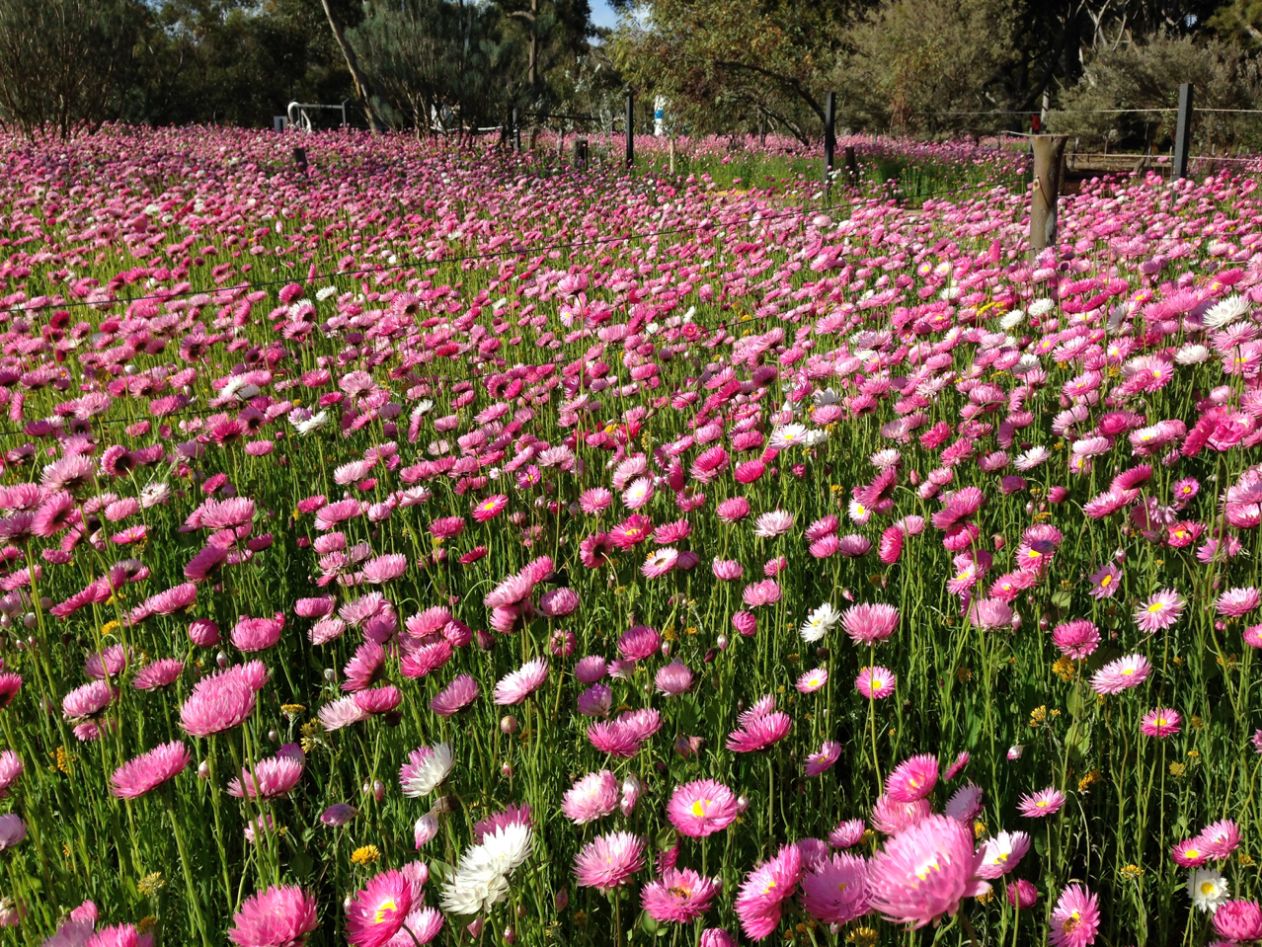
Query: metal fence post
{"points": [[630, 129], [1183, 131]]}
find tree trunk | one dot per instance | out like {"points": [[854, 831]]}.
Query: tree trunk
{"points": [[352, 65]]}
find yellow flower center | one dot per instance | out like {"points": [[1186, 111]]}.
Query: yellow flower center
{"points": [[1106, 581], [1207, 888], [928, 868], [386, 907], [699, 808]]}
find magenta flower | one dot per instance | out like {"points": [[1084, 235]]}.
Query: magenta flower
{"points": [[219, 702], [1236, 603], [1041, 804], [1002, 854], [592, 797], [876, 683], [1075, 919], [1105, 581], [1121, 675], [701, 808], [835, 888], [1160, 723], [759, 901], [281, 916], [272, 777], [924, 872], [1159, 612], [1076, 639], [515, 687], [869, 624], [10, 770], [146, 772], [459, 694], [812, 680], [609, 861], [1238, 921], [379, 909], [678, 896], [257, 634], [823, 759], [913, 779], [759, 732]]}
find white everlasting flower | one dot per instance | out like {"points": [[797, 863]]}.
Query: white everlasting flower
{"points": [[308, 424], [788, 435], [1207, 889], [325, 292], [1041, 307], [819, 623], [1011, 320], [773, 524], [425, 770], [883, 459], [480, 881], [639, 493], [1028, 460], [1191, 354], [1226, 311]]}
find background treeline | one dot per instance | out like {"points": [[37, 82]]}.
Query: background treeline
{"points": [[927, 67]]}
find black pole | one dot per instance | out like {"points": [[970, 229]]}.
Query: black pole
{"points": [[516, 131], [630, 129], [830, 135], [1183, 131]]}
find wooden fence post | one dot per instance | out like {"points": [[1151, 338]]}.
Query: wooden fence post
{"points": [[1049, 170], [830, 136], [1183, 131], [852, 166], [630, 129], [516, 131]]}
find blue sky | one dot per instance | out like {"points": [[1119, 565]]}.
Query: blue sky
{"points": [[602, 15]]}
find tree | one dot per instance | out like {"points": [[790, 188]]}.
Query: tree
{"points": [[362, 88], [430, 58], [917, 65], [553, 36], [1240, 19], [1147, 76], [735, 63], [67, 64]]}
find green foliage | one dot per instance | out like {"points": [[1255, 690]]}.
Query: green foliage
{"points": [[728, 64], [1147, 76], [915, 62], [66, 64]]}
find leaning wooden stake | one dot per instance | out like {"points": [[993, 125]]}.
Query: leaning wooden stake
{"points": [[1049, 170]]}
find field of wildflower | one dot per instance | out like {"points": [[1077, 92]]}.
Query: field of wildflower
{"points": [[445, 546]]}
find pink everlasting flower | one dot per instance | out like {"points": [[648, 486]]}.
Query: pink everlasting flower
{"points": [[701, 808], [678, 896], [609, 861], [924, 872], [1075, 919], [515, 687], [592, 797], [913, 779], [281, 916], [146, 772]]}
